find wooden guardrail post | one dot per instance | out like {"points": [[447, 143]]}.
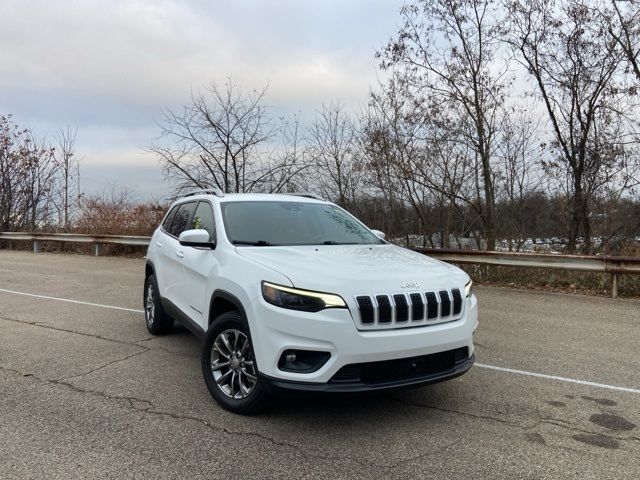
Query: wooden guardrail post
{"points": [[614, 285], [36, 246], [98, 249]]}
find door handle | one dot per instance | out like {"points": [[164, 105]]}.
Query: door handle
{"points": [[179, 254], [159, 244]]}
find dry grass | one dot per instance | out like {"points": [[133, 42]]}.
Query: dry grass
{"points": [[112, 214]]}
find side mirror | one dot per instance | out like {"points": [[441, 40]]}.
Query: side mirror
{"points": [[195, 238], [378, 234]]}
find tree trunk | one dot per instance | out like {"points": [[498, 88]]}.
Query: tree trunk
{"points": [[579, 222], [489, 217], [586, 225]]}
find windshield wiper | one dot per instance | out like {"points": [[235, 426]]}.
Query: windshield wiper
{"points": [[255, 243], [332, 242]]}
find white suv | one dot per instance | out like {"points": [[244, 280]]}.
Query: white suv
{"points": [[293, 294]]}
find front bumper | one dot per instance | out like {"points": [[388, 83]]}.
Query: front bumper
{"points": [[282, 388], [274, 330]]}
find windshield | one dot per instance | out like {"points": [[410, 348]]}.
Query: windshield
{"points": [[292, 223]]}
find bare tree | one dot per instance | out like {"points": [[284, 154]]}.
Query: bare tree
{"points": [[519, 178], [389, 139], [220, 141], [422, 155], [335, 153], [622, 19], [69, 172], [288, 160], [446, 49], [10, 171], [26, 178], [38, 182], [574, 64]]}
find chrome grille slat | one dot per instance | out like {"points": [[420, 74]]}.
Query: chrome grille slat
{"points": [[398, 310]]}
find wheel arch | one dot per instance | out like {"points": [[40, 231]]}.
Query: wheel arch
{"points": [[222, 302], [149, 269]]}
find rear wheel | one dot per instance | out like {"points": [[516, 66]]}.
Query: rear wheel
{"points": [[158, 322], [229, 366]]}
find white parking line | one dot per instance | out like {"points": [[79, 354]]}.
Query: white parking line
{"points": [[72, 301], [555, 377], [481, 365]]}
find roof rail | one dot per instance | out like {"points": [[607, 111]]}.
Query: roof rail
{"points": [[212, 191], [303, 194]]}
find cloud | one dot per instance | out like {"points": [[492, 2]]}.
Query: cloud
{"points": [[111, 67]]}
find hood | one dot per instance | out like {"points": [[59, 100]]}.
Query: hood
{"points": [[357, 269]]}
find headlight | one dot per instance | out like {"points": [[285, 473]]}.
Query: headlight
{"points": [[468, 288], [296, 299]]}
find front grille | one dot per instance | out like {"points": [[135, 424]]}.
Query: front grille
{"points": [[384, 309], [365, 305], [417, 307], [445, 303], [395, 310], [432, 305], [457, 301], [372, 373], [402, 308]]}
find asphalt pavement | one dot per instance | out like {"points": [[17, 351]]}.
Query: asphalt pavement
{"points": [[87, 392]]}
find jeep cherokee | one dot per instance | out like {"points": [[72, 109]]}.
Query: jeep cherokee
{"points": [[291, 293]]}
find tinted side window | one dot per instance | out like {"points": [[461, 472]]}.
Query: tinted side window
{"points": [[169, 218], [181, 220], [203, 218]]}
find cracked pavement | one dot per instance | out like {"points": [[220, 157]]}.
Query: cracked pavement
{"points": [[87, 392]]}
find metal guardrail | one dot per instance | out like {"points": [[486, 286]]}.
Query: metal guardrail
{"points": [[97, 240], [614, 266]]}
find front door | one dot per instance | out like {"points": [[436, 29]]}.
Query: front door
{"points": [[200, 266]]}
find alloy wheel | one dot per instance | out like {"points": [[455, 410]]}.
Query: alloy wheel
{"points": [[149, 306], [232, 364]]}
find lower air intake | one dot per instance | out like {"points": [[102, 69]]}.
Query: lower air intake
{"points": [[388, 371]]}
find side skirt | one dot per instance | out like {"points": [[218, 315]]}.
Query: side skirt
{"points": [[178, 315]]}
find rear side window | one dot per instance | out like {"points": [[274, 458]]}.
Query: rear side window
{"points": [[203, 219], [166, 225], [181, 219]]}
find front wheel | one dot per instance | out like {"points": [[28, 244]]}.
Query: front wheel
{"points": [[229, 366]]}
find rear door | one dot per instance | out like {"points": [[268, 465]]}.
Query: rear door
{"points": [[200, 265], [158, 242], [173, 254]]}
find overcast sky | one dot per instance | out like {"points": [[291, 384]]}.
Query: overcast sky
{"points": [[110, 67]]}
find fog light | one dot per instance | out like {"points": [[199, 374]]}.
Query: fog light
{"points": [[302, 361], [290, 357]]}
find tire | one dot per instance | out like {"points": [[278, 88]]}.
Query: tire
{"points": [[235, 383], [156, 319]]}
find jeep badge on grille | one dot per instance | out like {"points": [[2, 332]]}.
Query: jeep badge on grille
{"points": [[410, 285]]}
